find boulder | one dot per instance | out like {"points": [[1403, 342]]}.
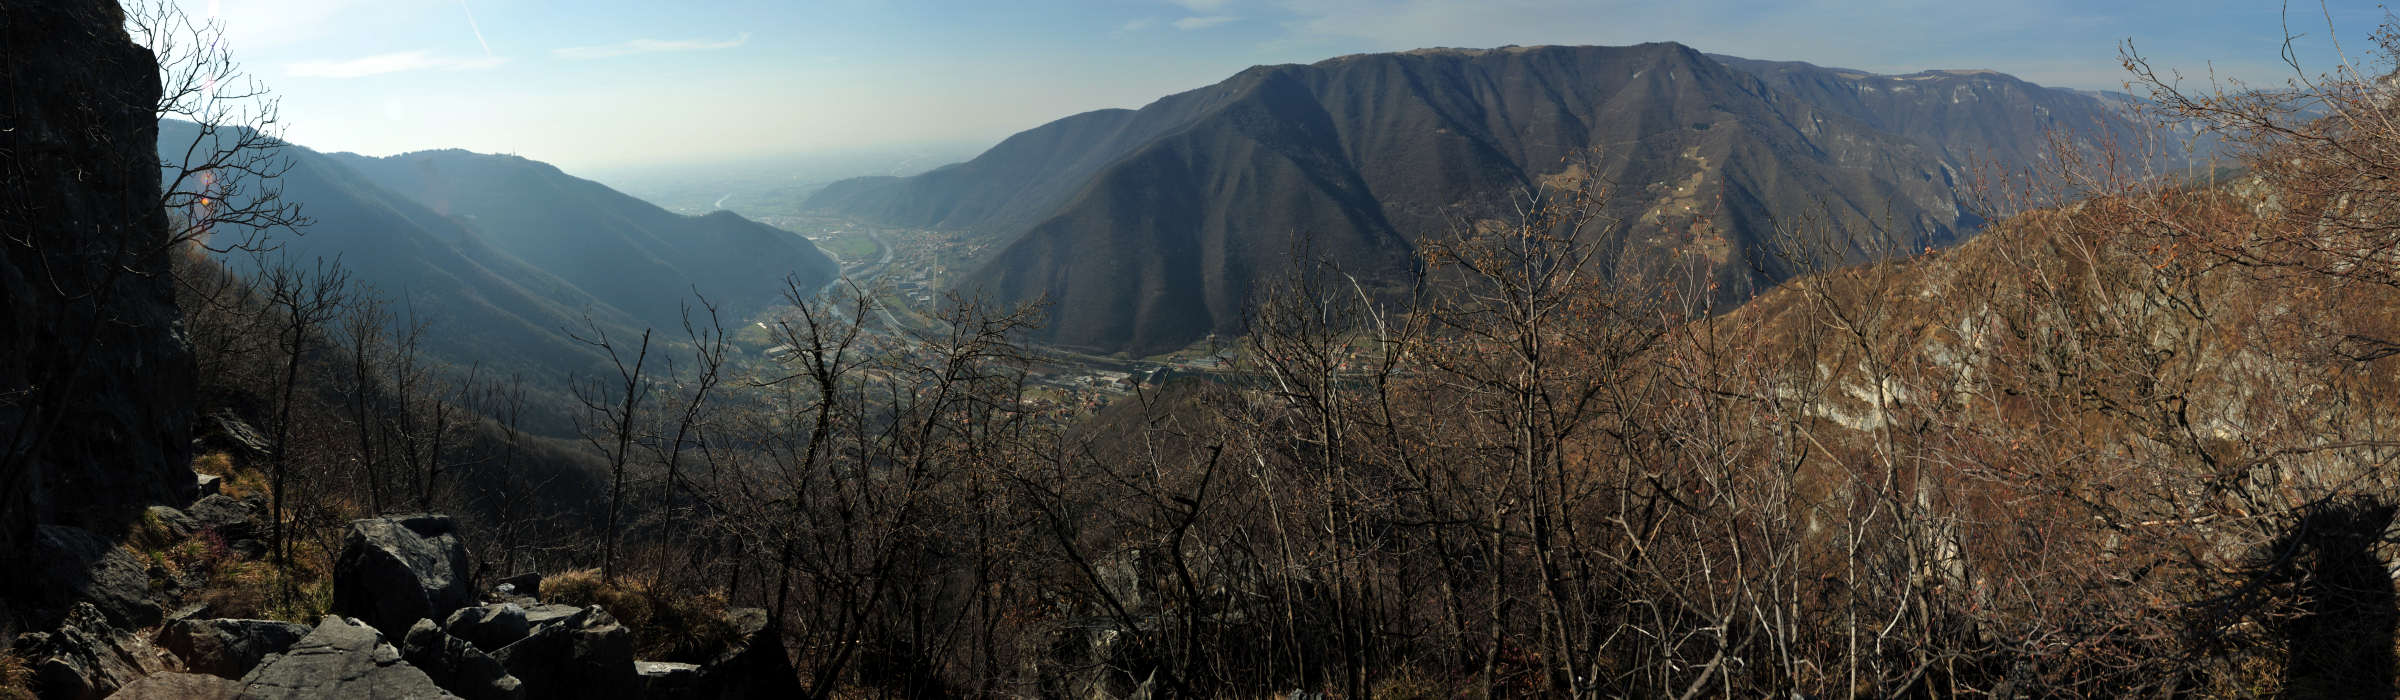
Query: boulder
{"points": [[753, 666], [397, 570], [232, 518], [490, 627], [180, 686], [206, 485], [583, 655], [458, 666], [171, 522], [79, 565], [86, 658], [340, 659], [229, 648]]}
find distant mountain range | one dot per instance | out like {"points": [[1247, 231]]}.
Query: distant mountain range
{"points": [[1149, 229], [506, 256]]}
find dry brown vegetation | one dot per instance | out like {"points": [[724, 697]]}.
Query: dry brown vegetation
{"points": [[16, 679], [2134, 443]]}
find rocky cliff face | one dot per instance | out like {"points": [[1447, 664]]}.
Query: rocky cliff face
{"points": [[95, 378]]}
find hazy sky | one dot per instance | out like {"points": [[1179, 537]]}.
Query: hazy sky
{"points": [[612, 83]]}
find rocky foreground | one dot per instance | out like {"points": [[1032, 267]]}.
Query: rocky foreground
{"points": [[407, 622]]}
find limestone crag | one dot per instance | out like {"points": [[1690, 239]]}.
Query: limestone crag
{"points": [[98, 380]]}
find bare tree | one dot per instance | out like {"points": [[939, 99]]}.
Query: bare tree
{"points": [[365, 324], [610, 422], [223, 160], [303, 300]]}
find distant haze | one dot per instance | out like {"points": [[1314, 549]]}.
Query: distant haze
{"points": [[613, 84]]}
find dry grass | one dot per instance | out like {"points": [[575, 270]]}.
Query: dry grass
{"points": [[663, 622], [1409, 683], [213, 464], [235, 586], [237, 482], [16, 677], [257, 589]]}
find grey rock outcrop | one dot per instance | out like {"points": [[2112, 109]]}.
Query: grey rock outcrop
{"points": [[229, 648], [397, 570], [340, 659], [582, 655], [72, 564], [458, 666]]}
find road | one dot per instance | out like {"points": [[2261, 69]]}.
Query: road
{"points": [[864, 275]]}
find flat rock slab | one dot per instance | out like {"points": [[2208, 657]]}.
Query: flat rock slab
{"points": [[340, 659], [667, 679]]}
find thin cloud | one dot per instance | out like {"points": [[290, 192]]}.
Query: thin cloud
{"points": [[640, 46], [1192, 23], [478, 29], [380, 64], [1142, 24], [1201, 5]]}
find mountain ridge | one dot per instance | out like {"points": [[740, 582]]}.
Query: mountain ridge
{"points": [[1365, 155], [625, 252], [493, 291]]}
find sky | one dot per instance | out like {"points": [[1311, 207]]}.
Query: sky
{"points": [[599, 84]]}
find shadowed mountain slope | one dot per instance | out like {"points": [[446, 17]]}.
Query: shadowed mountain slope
{"points": [[504, 258], [627, 253], [486, 304], [1151, 234]]}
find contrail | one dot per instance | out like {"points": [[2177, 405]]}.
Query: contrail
{"points": [[487, 46]]}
